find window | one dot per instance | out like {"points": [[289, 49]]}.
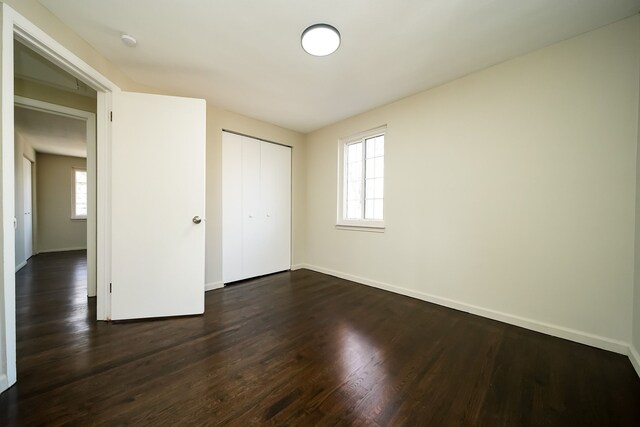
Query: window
{"points": [[79, 194], [361, 200]]}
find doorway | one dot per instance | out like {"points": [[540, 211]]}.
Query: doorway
{"points": [[141, 123], [58, 142], [16, 27]]}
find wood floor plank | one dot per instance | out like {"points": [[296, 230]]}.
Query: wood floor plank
{"points": [[297, 348]]}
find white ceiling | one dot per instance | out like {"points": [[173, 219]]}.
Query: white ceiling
{"points": [[245, 55], [51, 133]]}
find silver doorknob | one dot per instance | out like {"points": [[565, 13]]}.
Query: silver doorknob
{"points": [[196, 219]]}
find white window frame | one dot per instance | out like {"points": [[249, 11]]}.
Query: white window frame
{"points": [[357, 224], [73, 194]]}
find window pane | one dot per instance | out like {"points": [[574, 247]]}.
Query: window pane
{"points": [[364, 183], [354, 209], [354, 191], [377, 209], [379, 146], [354, 152], [378, 184], [369, 170], [371, 148], [375, 147], [80, 193], [354, 171], [379, 167], [374, 209], [368, 210], [353, 176], [369, 189]]}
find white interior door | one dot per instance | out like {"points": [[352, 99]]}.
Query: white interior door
{"points": [[157, 190], [28, 216]]}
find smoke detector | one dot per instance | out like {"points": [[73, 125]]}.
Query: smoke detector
{"points": [[129, 40]]}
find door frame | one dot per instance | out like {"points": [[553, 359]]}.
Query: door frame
{"points": [[16, 26], [90, 122]]}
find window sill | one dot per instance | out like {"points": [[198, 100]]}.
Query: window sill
{"points": [[79, 218], [371, 228]]}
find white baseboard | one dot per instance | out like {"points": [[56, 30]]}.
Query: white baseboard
{"points": [[534, 325], [44, 251], [19, 266], [635, 358], [295, 267], [213, 285], [4, 383]]}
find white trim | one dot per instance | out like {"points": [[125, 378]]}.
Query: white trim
{"points": [[635, 358], [361, 227], [48, 251], [364, 134], [34, 38], [19, 266], [4, 383], [523, 322], [213, 285], [7, 212], [295, 267], [46, 107]]}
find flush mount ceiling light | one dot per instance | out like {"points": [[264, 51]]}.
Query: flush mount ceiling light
{"points": [[320, 40], [129, 40]]}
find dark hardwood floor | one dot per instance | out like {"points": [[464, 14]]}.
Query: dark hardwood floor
{"points": [[297, 348]]}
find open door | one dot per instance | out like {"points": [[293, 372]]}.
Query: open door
{"points": [[27, 188], [157, 206]]}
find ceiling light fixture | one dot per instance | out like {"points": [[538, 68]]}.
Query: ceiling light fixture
{"points": [[320, 40], [129, 40]]}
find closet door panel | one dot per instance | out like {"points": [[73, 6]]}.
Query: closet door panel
{"points": [[275, 182], [253, 244], [231, 207]]}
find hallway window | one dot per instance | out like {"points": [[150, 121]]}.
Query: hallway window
{"points": [[79, 194]]}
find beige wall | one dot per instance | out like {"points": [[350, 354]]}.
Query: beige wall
{"points": [[56, 230], [510, 190]]}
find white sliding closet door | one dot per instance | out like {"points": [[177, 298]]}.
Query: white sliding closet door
{"points": [[256, 213], [253, 242], [275, 194], [232, 217]]}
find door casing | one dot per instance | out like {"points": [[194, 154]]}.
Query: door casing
{"points": [[17, 26]]}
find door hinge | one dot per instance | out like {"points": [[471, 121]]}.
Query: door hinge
{"points": [[110, 115], [110, 287]]}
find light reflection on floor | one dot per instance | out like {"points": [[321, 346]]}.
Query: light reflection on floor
{"points": [[361, 361]]}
